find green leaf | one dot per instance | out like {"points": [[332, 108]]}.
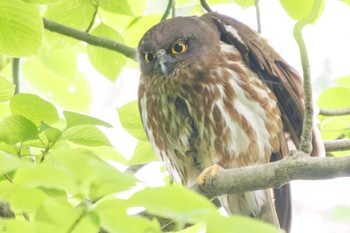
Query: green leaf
{"points": [[118, 7], [112, 214], [34, 108], [74, 119], [341, 213], [109, 154], [9, 163], [52, 134], [299, 9], [143, 154], [335, 127], [16, 226], [138, 28], [243, 3], [107, 62], [11, 149], [334, 98], [65, 88], [130, 119], [24, 199], [87, 224], [343, 81], [7, 89], [45, 176], [42, 1], [86, 135], [94, 175], [73, 13], [56, 217], [62, 61], [174, 202], [346, 1], [197, 228], [17, 129], [217, 223], [21, 28]]}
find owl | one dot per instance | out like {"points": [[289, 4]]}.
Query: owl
{"points": [[212, 91]]}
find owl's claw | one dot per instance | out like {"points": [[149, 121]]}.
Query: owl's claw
{"points": [[212, 170]]}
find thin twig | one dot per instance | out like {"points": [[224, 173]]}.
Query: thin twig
{"points": [[337, 145], [90, 39], [306, 136], [298, 166], [16, 73], [173, 11], [97, 4], [257, 12], [167, 10], [334, 112], [206, 6]]}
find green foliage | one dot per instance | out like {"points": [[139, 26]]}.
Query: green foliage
{"points": [[333, 98], [130, 118], [107, 62], [299, 9], [21, 28]]}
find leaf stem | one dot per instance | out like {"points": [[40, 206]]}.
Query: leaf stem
{"points": [[16, 73], [306, 136]]}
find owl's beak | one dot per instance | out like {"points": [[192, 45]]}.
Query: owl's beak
{"points": [[165, 61]]}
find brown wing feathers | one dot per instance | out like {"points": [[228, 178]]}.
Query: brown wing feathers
{"points": [[281, 78]]}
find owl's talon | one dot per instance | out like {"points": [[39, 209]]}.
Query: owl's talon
{"points": [[212, 170]]}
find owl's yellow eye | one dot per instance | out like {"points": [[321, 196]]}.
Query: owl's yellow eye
{"points": [[179, 47], [149, 57]]}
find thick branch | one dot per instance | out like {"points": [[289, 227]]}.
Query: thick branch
{"points": [[298, 166], [337, 145], [335, 112], [90, 39], [306, 136]]}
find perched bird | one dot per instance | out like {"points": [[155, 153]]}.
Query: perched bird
{"points": [[212, 91]]}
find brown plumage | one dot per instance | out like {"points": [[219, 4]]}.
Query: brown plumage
{"points": [[213, 91]]}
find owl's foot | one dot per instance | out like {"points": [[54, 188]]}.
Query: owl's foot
{"points": [[209, 170]]}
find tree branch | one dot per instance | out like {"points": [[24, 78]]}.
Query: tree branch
{"points": [[335, 112], [167, 10], [337, 145], [298, 166], [206, 6], [90, 39], [306, 136]]}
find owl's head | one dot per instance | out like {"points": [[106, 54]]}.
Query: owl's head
{"points": [[176, 43]]}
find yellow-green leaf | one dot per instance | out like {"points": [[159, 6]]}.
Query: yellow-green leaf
{"points": [[107, 62], [21, 28], [17, 129], [298, 9], [86, 135], [130, 119], [34, 108], [7, 89]]}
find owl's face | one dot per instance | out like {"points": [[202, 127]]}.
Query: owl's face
{"points": [[174, 43]]}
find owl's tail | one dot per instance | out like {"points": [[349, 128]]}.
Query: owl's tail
{"points": [[266, 205]]}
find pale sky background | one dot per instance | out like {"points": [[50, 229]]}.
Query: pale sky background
{"points": [[328, 44]]}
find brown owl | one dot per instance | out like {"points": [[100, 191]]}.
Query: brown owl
{"points": [[212, 91]]}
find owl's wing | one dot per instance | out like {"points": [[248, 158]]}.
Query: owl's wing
{"points": [[280, 77]]}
